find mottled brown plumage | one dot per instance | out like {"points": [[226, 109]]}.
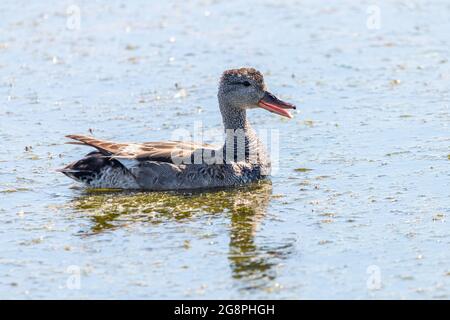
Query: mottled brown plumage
{"points": [[152, 151]]}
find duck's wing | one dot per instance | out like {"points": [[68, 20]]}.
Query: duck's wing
{"points": [[164, 151]]}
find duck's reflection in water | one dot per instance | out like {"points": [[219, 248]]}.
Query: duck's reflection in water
{"points": [[254, 262], [251, 263]]}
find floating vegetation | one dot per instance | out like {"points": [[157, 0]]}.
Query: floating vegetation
{"points": [[244, 206], [134, 60], [438, 217], [323, 242], [33, 157], [302, 170], [308, 123], [110, 208], [396, 153], [12, 190], [131, 47]]}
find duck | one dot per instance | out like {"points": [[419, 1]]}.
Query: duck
{"points": [[182, 165]]}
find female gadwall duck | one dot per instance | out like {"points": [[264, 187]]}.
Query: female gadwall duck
{"points": [[175, 165]]}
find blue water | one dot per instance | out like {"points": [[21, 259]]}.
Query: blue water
{"points": [[369, 221]]}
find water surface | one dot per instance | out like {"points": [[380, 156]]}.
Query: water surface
{"points": [[363, 186]]}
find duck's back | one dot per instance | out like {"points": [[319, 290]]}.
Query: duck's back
{"points": [[171, 165]]}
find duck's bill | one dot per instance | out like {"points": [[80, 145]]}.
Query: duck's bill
{"points": [[275, 105]]}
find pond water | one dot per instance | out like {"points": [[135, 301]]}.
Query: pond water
{"points": [[359, 207]]}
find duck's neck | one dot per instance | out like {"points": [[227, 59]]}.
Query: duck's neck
{"points": [[236, 119], [239, 133]]}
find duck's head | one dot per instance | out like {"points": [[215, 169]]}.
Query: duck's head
{"points": [[244, 88]]}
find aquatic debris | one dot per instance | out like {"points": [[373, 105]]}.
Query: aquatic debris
{"points": [[34, 157], [396, 153], [302, 169], [32, 241], [109, 210], [438, 216], [395, 82], [327, 214], [308, 123], [182, 93], [131, 47], [134, 60]]}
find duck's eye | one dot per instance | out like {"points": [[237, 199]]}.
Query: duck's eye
{"points": [[246, 83]]}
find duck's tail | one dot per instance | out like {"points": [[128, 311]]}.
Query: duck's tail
{"points": [[99, 171]]}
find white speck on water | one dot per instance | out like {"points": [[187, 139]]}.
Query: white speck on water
{"points": [[372, 123]]}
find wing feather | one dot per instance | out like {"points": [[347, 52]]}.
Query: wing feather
{"points": [[148, 151]]}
